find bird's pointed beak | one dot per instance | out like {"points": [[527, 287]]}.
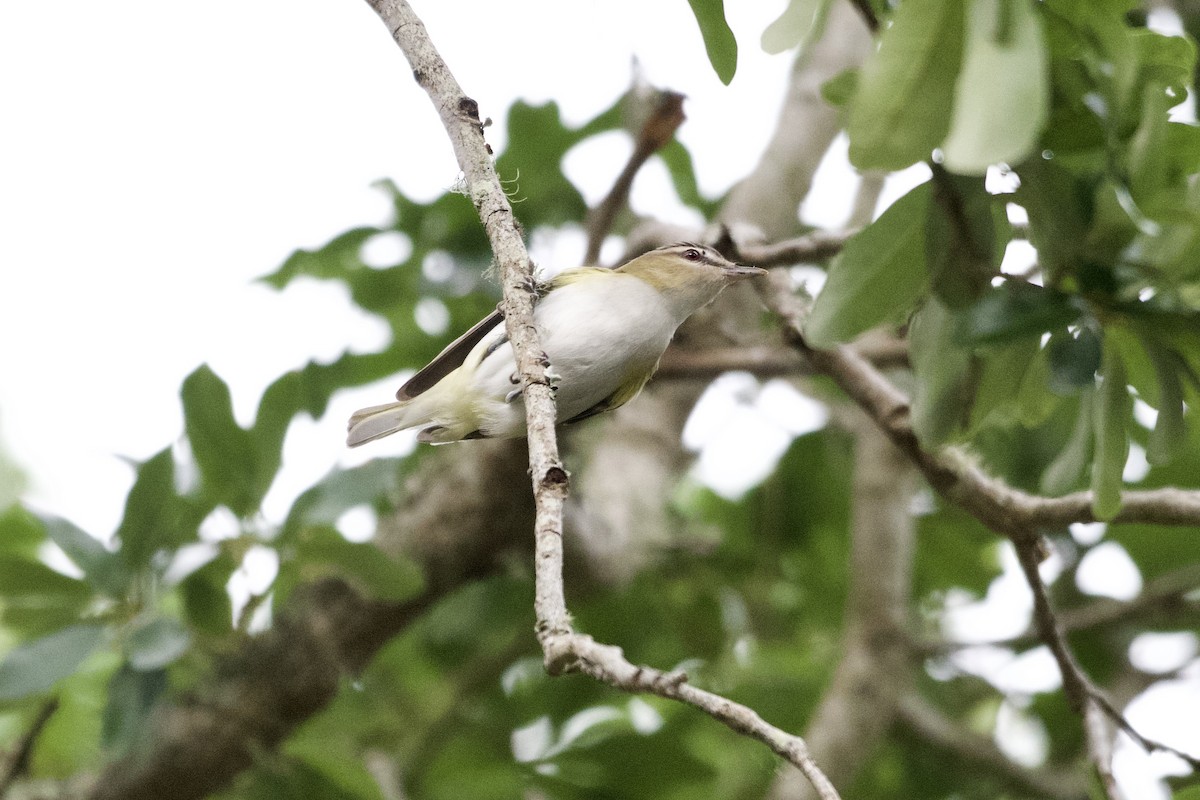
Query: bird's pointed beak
{"points": [[737, 272]]}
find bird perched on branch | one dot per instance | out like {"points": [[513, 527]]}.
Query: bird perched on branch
{"points": [[603, 331]]}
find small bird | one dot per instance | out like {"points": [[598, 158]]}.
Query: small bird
{"points": [[603, 330]]}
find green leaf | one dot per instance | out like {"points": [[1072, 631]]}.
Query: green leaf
{"points": [[1113, 409], [800, 23], [1002, 98], [35, 599], [38, 665], [1015, 310], [941, 369], [960, 239], [1074, 359], [1060, 210], [719, 41], [321, 551], [156, 644], [1190, 793], [344, 489], [1001, 376], [223, 450], [21, 533], [131, 696], [1169, 439], [879, 274], [1065, 472], [206, 604], [103, 569], [156, 518], [899, 113], [839, 90]]}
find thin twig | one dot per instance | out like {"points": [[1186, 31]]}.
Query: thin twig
{"points": [[564, 649], [1164, 595], [765, 362], [932, 725], [815, 246], [18, 764], [655, 134]]}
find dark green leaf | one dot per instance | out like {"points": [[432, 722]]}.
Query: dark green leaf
{"points": [[1074, 359], [38, 665], [223, 450], [1068, 469], [683, 175], [1169, 438], [35, 599], [156, 644], [719, 41], [960, 240], [531, 167], [1016, 310], [1111, 417], [103, 569], [878, 276], [131, 696], [899, 113], [941, 369], [1001, 376], [206, 603], [321, 551], [343, 489], [1060, 212], [156, 518]]}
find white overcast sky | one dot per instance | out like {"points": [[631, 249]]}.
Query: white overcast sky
{"points": [[157, 157]]}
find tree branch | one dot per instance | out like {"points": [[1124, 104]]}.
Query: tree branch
{"points": [[262, 692], [1010, 512], [655, 134], [929, 723], [1165, 595], [18, 763], [765, 362], [564, 649]]}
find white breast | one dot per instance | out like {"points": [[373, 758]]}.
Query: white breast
{"points": [[596, 332]]}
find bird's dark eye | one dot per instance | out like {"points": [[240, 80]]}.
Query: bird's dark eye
{"points": [[692, 254]]}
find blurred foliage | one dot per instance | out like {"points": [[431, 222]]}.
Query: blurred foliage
{"points": [[1039, 374]]}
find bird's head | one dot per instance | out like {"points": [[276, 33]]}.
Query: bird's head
{"points": [[688, 275]]}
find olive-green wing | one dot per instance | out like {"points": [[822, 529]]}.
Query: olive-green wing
{"points": [[628, 390]]}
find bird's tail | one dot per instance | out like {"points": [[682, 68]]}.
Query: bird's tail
{"points": [[369, 424]]}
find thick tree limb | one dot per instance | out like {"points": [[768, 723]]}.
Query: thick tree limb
{"points": [[272, 684], [564, 649], [874, 668]]}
